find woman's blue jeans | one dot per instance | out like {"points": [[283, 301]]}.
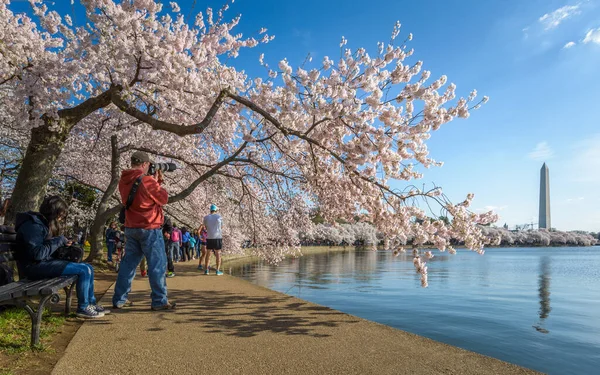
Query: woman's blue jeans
{"points": [[85, 283], [110, 245]]}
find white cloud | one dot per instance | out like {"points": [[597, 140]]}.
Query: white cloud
{"points": [[542, 152], [491, 208], [575, 199], [569, 45], [592, 36], [553, 19]]}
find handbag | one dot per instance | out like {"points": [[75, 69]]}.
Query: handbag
{"points": [[130, 199], [73, 253]]}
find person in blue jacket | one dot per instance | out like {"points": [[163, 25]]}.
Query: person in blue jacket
{"points": [[111, 240], [39, 235], [185, 248]]}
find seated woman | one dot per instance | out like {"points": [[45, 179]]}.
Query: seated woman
{"points": [[39, 235]]}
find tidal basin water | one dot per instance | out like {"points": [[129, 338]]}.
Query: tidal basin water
{"points": [[535, 307]]}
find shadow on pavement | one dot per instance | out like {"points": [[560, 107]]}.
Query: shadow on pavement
{"points": [[242, 315]]}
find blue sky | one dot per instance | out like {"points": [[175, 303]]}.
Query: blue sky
{"points": [[544, 97], [537, 60]]}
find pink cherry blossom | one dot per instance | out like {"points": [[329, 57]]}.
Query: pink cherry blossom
{"points": [[339, 135]]}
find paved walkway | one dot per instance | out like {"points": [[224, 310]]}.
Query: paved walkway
{"points": [[224, 325]]}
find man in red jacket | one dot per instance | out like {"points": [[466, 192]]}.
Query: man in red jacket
{"points": [[143, 233]]}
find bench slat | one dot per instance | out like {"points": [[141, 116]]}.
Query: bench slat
{"points": [[22, 291], [5, 290], [8, 237], [34, 288], [56, 285], [8, 291], [7, 229], [8, 247]]}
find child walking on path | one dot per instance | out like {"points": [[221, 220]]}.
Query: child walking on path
{"points": [[202, 233]]}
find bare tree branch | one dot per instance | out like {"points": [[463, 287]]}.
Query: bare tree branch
{"points": [[181, 130]]}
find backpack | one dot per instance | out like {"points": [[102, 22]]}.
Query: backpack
{"points": [[175, 235]]}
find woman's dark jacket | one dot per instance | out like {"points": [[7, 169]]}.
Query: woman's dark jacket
{"points": [[111, 235], [36, 247]]}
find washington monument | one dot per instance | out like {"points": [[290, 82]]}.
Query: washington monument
{"points": [[544, 221]]}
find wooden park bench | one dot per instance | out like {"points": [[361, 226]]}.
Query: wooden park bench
{"points": [[24, 292]]}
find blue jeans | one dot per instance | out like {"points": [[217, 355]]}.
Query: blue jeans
{"points": [[140, 243], [181, 252], [110, 245], [85, 283], [174, 251]]}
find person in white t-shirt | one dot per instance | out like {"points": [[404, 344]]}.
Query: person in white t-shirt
{"points": [[214, 241]]}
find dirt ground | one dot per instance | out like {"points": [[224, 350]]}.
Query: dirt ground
{"points": [[42, 362]]}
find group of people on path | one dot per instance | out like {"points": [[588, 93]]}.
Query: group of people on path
{"points": [[184, 246], [146, 235], [181, 245]]}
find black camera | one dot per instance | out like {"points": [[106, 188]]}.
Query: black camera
{"points": [[165, 167]]}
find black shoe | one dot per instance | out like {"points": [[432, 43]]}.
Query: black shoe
{"points": [[127, 303], [168, 306]]}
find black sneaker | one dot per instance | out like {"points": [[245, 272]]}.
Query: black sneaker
{"points": [[168, 306], [101, 309], [89, 313], [127, 303]]}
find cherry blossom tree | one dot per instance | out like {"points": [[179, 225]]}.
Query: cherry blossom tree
{"points": [[366, 234], [334, 134], [348, 234], [541, 237]]}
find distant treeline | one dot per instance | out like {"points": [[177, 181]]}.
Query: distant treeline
{"points": [[364, 234], [541, 237]]}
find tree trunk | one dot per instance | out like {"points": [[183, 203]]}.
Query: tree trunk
{"points": [[41, 156], [103, 213], [96, 236], [43, 151], [96, 240]]}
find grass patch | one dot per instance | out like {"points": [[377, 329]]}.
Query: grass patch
{"points": [[15, 329]]}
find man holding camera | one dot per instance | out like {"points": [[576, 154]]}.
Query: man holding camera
{"points": [[143, 222]]}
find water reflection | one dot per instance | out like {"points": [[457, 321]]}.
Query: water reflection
{"points": [[366, 267], [488, 304], [544, 293], [319, 271]]}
